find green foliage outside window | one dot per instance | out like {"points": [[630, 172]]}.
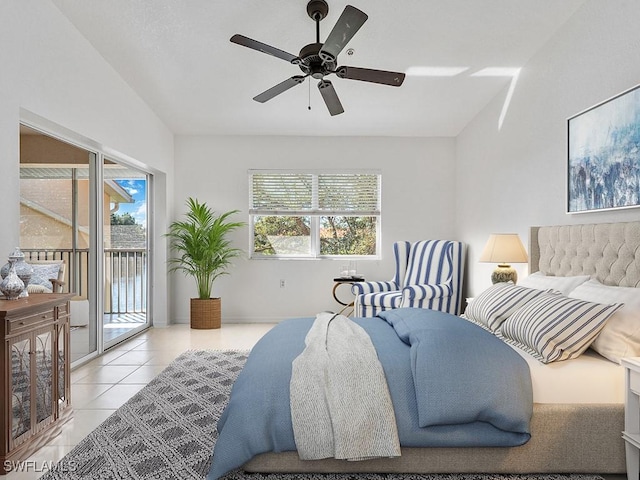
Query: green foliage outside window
{"points": [[339, 235], [122, 219], [270, 230], [347, 235]]}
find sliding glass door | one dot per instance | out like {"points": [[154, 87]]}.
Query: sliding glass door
{"points": [[89, 212], [55, 224], [126, 249]]}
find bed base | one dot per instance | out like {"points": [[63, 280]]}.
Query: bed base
{"points": [[565, 438]]}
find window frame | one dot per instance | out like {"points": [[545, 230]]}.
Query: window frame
{"points": [[314, 214]]}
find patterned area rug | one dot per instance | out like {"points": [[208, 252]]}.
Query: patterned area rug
{"points": [[167, 431]]}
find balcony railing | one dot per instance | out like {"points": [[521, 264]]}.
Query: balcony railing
{"points": [[125, 272], [126, 275]]}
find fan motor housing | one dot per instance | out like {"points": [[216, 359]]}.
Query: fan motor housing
{"points": [[312, 64], [317, 9]]}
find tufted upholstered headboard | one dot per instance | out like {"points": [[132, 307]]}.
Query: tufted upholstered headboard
{"points": [[609, 252]]}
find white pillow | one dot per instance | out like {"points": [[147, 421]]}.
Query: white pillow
{"points": [[564, 285], [37, 289], [620, 337], [496, 303], [553, 327]]}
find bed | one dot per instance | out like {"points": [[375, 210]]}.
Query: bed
{"points": [[578, 409]]}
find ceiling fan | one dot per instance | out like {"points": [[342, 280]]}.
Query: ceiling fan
{"points": [[320, 59]]}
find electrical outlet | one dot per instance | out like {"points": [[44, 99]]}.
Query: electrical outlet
{"points": [[282, 283]]}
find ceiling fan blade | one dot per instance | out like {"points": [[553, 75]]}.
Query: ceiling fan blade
{"points": [[345, 28], [330, 97], [384, 77], [279, 88], [264, 48]]}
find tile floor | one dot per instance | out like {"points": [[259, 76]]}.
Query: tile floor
{"points": [[104, 384]]}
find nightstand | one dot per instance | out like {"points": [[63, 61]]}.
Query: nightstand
{"points": [[631, 433], [345, 281]]}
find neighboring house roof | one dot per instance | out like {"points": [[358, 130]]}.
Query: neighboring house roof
{"points": [[51, 214], [116, 193]]}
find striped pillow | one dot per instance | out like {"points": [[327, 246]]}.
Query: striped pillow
{"points": [[495, 304], [553, 327]]}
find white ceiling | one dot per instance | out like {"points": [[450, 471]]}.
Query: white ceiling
{"points": [[176, 54]]}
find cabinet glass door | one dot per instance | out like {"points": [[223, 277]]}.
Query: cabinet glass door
{"points": [[61, 387], [44, 374], [20, 387]]}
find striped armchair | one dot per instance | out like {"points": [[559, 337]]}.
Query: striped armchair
{"points": [[428, 274]]}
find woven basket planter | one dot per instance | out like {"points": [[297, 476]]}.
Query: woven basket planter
{"points": [[205, 313]]}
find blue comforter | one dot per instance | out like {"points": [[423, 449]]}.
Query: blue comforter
{"points": [[452, 385]]}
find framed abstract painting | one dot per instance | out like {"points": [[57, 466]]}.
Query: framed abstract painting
{"points": [[604, 155]]}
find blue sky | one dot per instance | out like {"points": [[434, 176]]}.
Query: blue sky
{"points": [[137, 188]]}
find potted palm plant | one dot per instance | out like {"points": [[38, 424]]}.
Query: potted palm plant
{"points": [[204, 253]]}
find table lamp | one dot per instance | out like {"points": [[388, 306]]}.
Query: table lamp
{"points": [[503, 249]]}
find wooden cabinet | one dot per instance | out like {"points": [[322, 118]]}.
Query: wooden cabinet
{"points": [[35, 373]]}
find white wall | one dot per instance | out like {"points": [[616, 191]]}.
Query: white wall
{"points": [[418, 201], [49, 69], [513, 178]]}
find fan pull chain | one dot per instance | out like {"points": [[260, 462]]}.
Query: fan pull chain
{"points": [[309, 107]]}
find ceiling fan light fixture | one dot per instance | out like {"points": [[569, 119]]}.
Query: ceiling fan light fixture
{"points": [[320, 59]]}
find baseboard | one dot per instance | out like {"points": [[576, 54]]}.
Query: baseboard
{"points": [[185, 321]]}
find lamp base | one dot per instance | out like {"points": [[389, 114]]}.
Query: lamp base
{"points": [[504, 273]]}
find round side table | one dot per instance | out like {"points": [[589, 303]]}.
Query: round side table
{"points": [[337, 282]]}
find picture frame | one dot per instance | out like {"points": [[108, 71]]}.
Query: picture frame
{"points": [[603, 160]]}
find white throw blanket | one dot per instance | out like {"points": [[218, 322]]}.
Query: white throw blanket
{"points": [[340, 401]]}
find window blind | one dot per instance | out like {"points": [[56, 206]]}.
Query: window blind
{"points": [[292, 193]]}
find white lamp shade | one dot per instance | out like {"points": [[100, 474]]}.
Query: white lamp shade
{"points": [[504, 248]]}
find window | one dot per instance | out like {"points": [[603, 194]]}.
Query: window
{"points": [[311, 214]]}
